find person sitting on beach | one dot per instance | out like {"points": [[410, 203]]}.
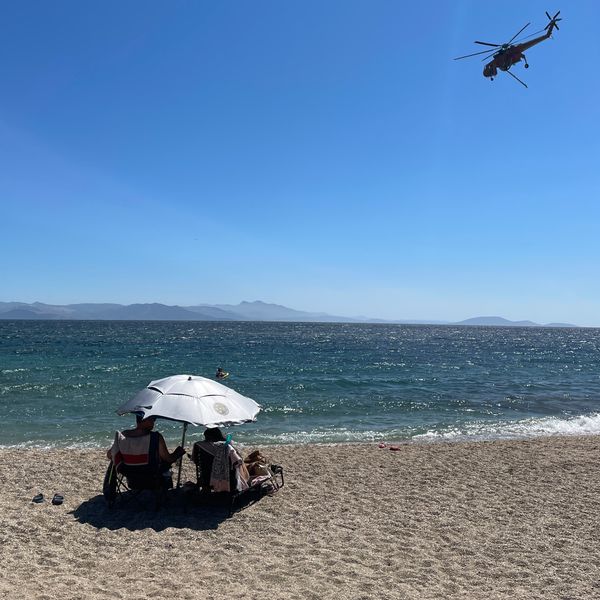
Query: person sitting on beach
{"points": [[224, 458], [135, 442], [261, 471]]}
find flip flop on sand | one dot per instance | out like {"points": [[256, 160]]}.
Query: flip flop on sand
{"points": [[58, 499], [37, 499], [395, 448]]}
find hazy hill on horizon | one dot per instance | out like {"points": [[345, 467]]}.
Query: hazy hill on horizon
{"points": [[502, 322], [244, 311]]}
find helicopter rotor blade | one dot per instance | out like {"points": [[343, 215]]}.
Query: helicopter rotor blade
{"points": [[475, 54], [520, 40], [487, 44], [556, 20], [513, 75], [518, 33], [553, 20], [488, 56]]}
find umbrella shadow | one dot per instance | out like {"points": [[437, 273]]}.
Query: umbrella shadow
{"points": [[139, 514]]}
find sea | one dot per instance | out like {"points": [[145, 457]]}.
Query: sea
{"points": [[61, 381]]}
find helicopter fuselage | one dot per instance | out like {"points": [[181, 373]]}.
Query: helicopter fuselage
{"points": [[510, 55], [504, 60]]}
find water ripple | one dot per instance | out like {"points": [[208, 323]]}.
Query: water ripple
{"points": [[60, 382]]}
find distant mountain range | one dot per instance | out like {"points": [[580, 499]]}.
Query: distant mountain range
{"points": [[244, 311], [500, 322]]}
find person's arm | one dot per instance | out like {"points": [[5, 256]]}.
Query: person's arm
{"points": [[244, 471], [235, 457], [165, 455], [115, 447]]}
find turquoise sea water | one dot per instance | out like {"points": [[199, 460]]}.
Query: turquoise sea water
{"points": [[60, 381]]}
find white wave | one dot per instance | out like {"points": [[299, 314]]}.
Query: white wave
{"points": [[284, 409], [527, 428], [56, 445], [473, 431]]}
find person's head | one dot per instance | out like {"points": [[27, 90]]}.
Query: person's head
{"points": [[213, 434], [147, 424]]}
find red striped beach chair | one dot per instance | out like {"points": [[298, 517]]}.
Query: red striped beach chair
{"points": [[135, 467]]}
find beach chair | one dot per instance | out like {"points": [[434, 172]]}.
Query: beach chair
{"points": [[135, 467], [239, 492]]}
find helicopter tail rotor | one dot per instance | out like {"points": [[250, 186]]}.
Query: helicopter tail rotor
{"points": [[553, 22]]}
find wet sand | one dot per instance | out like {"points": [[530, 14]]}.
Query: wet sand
{"points": [[485, 520]]}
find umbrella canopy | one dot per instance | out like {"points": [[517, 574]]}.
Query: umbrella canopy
{"points": [[192, 399]]}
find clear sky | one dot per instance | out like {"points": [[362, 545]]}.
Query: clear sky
{"points": [[328, 156]]}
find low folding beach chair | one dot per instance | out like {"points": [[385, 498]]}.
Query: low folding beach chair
{"points": [[236, 497], [128, 474]]}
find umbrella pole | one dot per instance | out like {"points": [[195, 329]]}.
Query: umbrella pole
{"points": [[181, 458]]}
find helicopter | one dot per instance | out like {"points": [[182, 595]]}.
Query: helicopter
{"points": [[509, 54]]}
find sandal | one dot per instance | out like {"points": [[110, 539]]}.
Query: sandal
{"points": [[38, 498], [58, 499]]}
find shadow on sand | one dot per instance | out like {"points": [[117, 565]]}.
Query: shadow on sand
{"points": [[179, 512]]}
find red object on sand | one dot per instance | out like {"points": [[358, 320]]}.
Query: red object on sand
{"points": [[395, 448], [382, 445]]}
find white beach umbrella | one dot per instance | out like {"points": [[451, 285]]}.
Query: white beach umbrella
{"points": [[194, 400]]}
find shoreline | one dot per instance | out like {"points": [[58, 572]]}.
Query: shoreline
{"points": [[420, 441], [493, 520]]}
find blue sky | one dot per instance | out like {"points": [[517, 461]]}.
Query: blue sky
{"points": [[328, 156]]}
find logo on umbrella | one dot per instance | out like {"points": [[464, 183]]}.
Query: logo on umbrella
{"points": [[221, 408]]}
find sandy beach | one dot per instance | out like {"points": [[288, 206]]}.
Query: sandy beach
{"points": [[515, 519]]}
